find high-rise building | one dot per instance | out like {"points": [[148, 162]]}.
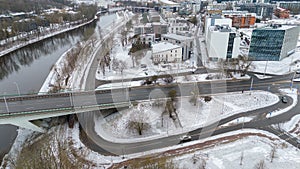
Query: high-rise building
{"points": [[216, 20], [273, 43], [223, 42], [263, 11]]}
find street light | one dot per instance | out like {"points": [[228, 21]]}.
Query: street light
{"points": [[7, 110], [18, 89]]}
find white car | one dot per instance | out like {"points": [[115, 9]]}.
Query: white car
{"points": [[185, 138]]}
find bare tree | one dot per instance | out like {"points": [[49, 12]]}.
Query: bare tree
{"points": [[242, 158], [203, 163], [124, 34], [260, 165], [122, 66], [273, 153], [244, 64], [194, 97], [138, 121]]}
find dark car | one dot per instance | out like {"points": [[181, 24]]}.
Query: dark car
{"points": [[284, 99], [185, 139]]}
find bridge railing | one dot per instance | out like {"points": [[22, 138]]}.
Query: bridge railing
{"points": [[72, 108]]}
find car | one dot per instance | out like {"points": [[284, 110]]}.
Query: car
{"points": [[298, 71], [284, 99], [185, 138]]}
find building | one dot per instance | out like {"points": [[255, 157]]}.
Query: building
{"points": [[223, 42], [240, 19], [273, 42], [165, 52], [153, 16], [293, 6], [281, 13], [176, 25], [215, 20], [147, 38], [156, 28], [262, 10], [185, 42]]}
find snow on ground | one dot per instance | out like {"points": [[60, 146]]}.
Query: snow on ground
{"points": [[238, 121], [177, 79], [286, 65], [291, 125], [190, 116], [121, 53], [80, 71], [23, 136], [227, 155], [289, 92], [252, 148], [262, 76], [95, 157]]}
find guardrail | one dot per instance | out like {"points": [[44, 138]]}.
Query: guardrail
{"points": [[64, 109]]}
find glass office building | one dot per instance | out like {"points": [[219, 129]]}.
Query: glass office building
{"points": [[273, 43]]}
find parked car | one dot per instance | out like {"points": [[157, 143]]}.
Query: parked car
{"points": [[185, 139], [284, 99], [298, 71]]}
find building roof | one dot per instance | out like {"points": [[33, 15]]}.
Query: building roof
{"points": [[222, 28], [177, 37], [167, 2], [163, 46], [276, 27]]}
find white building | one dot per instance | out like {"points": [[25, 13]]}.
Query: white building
{"points": [[185, 42], [165, 52], [216, 20], [177, 26], [223, 42], [147, 38]]}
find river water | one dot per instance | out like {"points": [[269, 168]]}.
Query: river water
{"points": [[26, 69]]}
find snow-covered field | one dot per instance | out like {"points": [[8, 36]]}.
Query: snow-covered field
{"points": [[190, 116], [284, 66], [244, 153]]}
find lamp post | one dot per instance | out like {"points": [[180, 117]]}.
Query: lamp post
{"points": [[266, 68], [6, 105], [18, 89]]}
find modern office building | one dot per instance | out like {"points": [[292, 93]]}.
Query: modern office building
{"points": [[215, 20], [273, 42], [223, 42], [263, 11]]}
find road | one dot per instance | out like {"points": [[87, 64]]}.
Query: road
{"points": [[45, 102], [13, 105]]}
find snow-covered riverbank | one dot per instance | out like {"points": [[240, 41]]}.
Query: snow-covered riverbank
{"points": [[21, 45]]}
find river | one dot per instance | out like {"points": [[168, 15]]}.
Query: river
{"points": [[26, 69]]}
